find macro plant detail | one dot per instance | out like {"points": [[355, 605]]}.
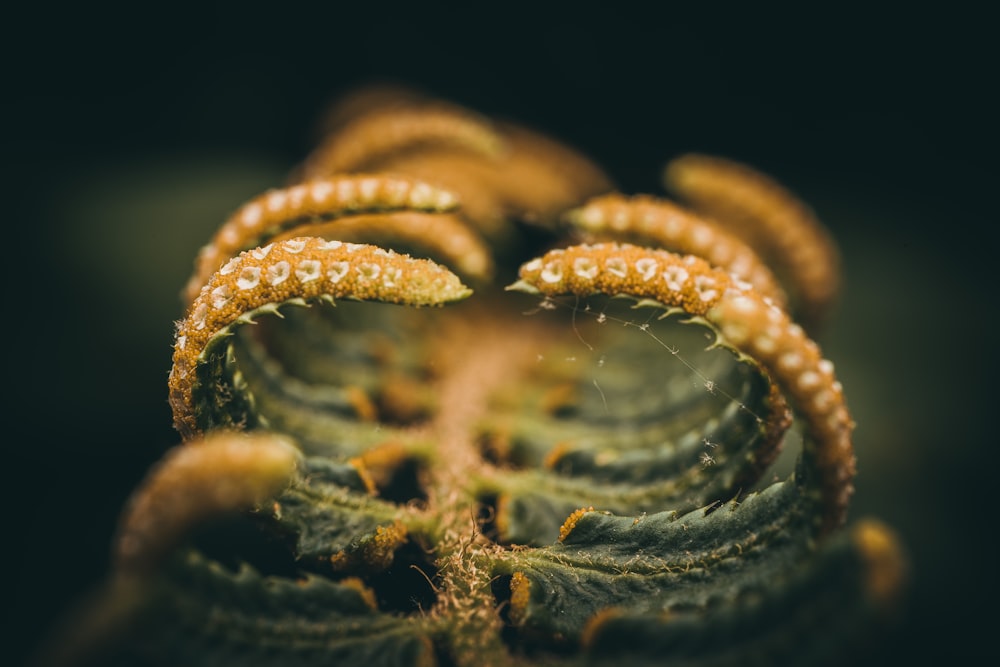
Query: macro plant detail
{"points": [[449, 398]]}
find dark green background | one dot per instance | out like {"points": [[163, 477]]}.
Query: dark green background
{"points": [[131, 133]]}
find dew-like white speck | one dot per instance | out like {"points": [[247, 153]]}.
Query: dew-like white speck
{"points": [[320, 191], [276, 200], [675, 277], [229, 266], [647, 267], [616, 266], [278, 272], [251, 215], [249, 277], [262, 252], [585, 268], [392, 277], [790, 361], [221, 296], [369, 271], [346, 191], [368, 188], [308, 270], [296, 195], [229, 236], [294, 246], [705, 287], [552, 273], [337, 271], [422, 195], [809, 380]]}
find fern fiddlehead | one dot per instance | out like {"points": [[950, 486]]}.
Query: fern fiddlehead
{"points": [[566, 470]]}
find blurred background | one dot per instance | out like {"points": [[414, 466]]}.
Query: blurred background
{"points": [[130, 134]]}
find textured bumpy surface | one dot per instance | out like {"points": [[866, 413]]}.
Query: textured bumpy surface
{"points": [[745, 320], [661, 224], [569, 470], [256, 222], [299, 269], [769, 217]]}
